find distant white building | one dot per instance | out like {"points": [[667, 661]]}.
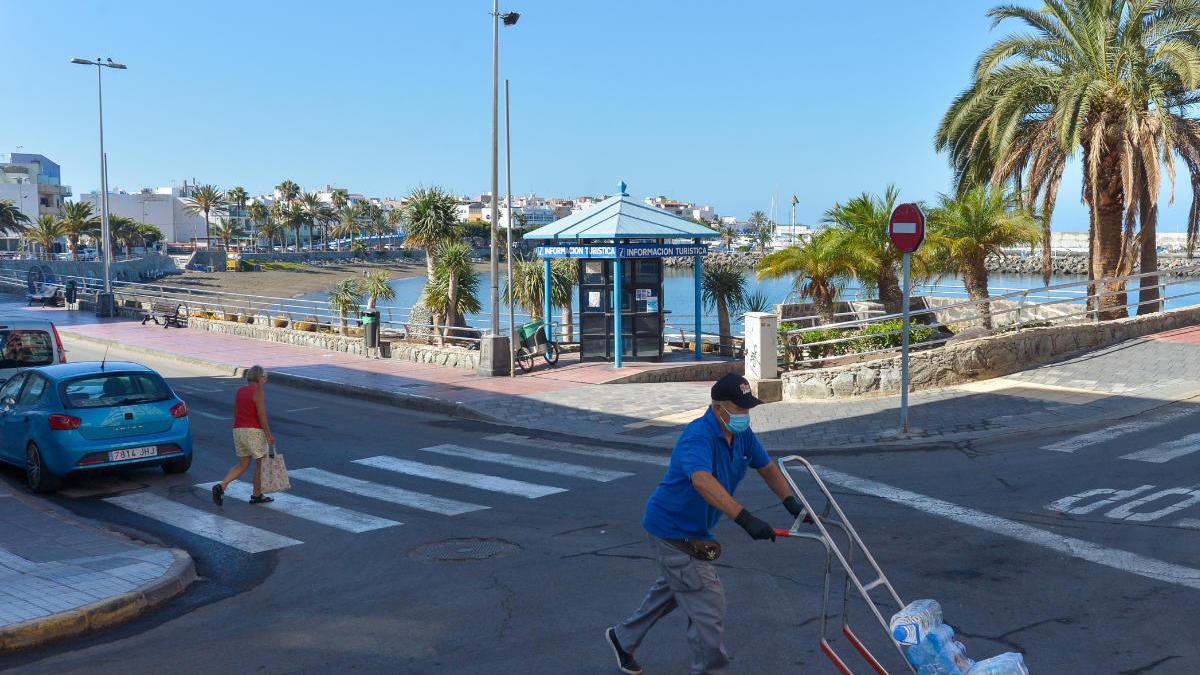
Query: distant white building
{"points": [[163, 208], [33, 184]]}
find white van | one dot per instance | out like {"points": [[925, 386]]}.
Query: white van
{"points": [[25, 343]]}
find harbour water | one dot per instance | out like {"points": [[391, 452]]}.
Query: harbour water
{"points": [[679, 285]]}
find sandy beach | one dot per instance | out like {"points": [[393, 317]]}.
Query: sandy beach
{"points": [[290, 282]]}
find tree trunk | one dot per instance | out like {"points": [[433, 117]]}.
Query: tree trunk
{"points": [[823, 304], [73, 244], [1149, 295], [342, 322], [1109, 224], [889, 289], [428, 263], [567, 322], [451, 304], [726, 340], [975, 279]]}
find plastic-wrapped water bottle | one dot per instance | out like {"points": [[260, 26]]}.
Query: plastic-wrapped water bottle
{"points": [[1008, 663], [911, 624], [938, 654]]}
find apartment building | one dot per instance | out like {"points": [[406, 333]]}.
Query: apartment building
{"points": [[33, 183]]}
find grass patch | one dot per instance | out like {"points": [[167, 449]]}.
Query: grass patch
{"points": [[290, 266]]}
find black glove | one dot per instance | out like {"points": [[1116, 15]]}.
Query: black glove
{"points": [[795, 508], [756, 528]]}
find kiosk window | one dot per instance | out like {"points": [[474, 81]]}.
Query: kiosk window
{"points": [[593, 272]]}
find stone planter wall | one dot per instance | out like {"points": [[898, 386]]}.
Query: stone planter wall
{"points": [[452, 357], [1003, 312], [978, 359]]}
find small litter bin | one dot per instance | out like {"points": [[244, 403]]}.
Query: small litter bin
{"points": [[70, 292], [370, 323]]}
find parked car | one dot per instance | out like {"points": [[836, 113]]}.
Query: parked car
{"points": [[74, 418], [27, 343]]}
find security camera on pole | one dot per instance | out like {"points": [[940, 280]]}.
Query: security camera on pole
{"points": [[906, 230]]}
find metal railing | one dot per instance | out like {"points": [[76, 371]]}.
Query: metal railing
{"points": [[1070, 302]]}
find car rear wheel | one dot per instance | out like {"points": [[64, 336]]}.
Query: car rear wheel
{"points": [[180, 465], [37, 476]]}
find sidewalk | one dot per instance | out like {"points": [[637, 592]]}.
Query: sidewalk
{"points": [[60, 578], [1107, 384]]}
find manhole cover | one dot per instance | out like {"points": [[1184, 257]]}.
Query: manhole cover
{"points": [[459, 550]]}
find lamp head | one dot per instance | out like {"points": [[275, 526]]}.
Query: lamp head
{"points": [[510, 18], [84, 62]]}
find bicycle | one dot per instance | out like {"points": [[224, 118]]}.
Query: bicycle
{"points": [[535, 343]]}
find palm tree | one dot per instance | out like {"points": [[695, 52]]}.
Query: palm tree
{"points": [[227, 230], [820, 266], [430, 217], [293, 218], [528, 283], [288, 191], [78, 221], [339, 198], [345, 298], [1112, 77], [762, 236], [257, 214], [311, 206], [377, 286], [45, 232], [11, 217], [206, 200], [453, 292], [758, 219], [237, 197], [728, 234], [861, 225], [980, 222], [347, 223], [271, 228], [724, 288], [149, 234], [123, 230]]}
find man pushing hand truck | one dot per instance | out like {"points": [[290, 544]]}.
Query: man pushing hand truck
{"points": [[708, 461]]}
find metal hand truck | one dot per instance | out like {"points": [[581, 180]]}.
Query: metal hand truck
{"points": [[833, 516]]}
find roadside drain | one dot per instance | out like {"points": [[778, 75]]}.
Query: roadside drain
{"points": [[462, 550]]}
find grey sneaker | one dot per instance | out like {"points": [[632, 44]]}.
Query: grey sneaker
{"points": [[625, 660]]}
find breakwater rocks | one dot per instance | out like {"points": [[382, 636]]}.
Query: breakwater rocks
{"points": [[1074, 264]]}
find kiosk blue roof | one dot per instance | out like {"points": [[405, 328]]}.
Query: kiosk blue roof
{"points": [[622, 217]]}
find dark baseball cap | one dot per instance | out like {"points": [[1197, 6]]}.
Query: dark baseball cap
{"points": [[736, 390]]}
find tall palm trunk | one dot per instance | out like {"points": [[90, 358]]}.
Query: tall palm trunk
{"points": [[428, 263], [975, 279], [1149, 295], [207, 233], [889, 290], [567, 322], [451, 303], [726, 337], [1109, 196], [822, 300]]}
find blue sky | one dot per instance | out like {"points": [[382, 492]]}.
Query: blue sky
{"points": [[715, 102]]}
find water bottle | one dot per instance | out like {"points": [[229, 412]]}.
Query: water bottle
{"points": [[939, 654], [1009, 663], [911, 624]]}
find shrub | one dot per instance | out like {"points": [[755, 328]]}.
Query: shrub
{"points": [[871, 337], [279, 321]]}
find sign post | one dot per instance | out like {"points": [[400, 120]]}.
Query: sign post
{"points": [[906, 230]]}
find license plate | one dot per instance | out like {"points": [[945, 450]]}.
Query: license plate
{"points": [[132, 453]]}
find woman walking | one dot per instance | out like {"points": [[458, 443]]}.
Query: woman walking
{"points": [[251, 435]]}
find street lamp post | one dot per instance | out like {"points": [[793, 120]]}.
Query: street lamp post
{"points": [[509, 19], [104, 301]]}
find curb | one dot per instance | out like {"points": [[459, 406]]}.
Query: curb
{"points": [[409, 401]]}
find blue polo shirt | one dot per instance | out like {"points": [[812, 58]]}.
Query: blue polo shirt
{"points": [[676, 510]]}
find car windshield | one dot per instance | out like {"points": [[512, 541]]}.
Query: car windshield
{"points": [[25, 348], [113, 389]]}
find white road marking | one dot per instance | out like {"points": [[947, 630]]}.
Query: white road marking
{"points": [[311, 407], [1116, 431], [308, 509], [208, 525], [481, 481], [1112, 496], [580, 449], [1168, 451], [547, 466], [387, 493], [196, 389], [1126, 511], [209, 415], [1084, 550]]}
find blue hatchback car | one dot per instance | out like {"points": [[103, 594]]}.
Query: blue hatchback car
{"points": [[76, 417]]}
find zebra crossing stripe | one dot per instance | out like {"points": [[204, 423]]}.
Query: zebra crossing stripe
{"points": [[580, 449], [387, 493], [1116, 431], [201, 523], [300, 507], [481, 481], [1168, 451], [547, 466]]}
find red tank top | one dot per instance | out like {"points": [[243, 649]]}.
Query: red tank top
{"points": [[245, 413]]}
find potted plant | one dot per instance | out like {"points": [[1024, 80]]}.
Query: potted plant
{"points": [[279, 321]]}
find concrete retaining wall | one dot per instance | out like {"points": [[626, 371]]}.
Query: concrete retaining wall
{"points": [[1003, 312], [126, 270], [978, 359], [330, 256]]}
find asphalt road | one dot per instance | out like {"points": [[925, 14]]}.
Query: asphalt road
{"points": [[1056, 546]]}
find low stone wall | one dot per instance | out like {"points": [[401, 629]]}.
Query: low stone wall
{"points": [[453, 357], [994, 356], [1003, 312], [125, 270], [330, 256]]}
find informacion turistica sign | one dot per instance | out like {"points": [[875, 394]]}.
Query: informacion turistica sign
{"points": [[624, 251]]}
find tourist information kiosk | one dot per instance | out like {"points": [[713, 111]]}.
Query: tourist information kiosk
{"points": [[620, 244]]}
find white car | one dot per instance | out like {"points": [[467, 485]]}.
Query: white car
{"points": [[25, 343]]}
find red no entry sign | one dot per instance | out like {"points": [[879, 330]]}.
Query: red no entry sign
{"points": [[906, 229]]}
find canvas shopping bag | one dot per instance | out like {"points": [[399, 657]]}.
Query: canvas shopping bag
{"points": [[274, 472]]}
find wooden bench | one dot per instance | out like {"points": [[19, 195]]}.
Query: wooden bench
{"points": [[167, 313]]}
